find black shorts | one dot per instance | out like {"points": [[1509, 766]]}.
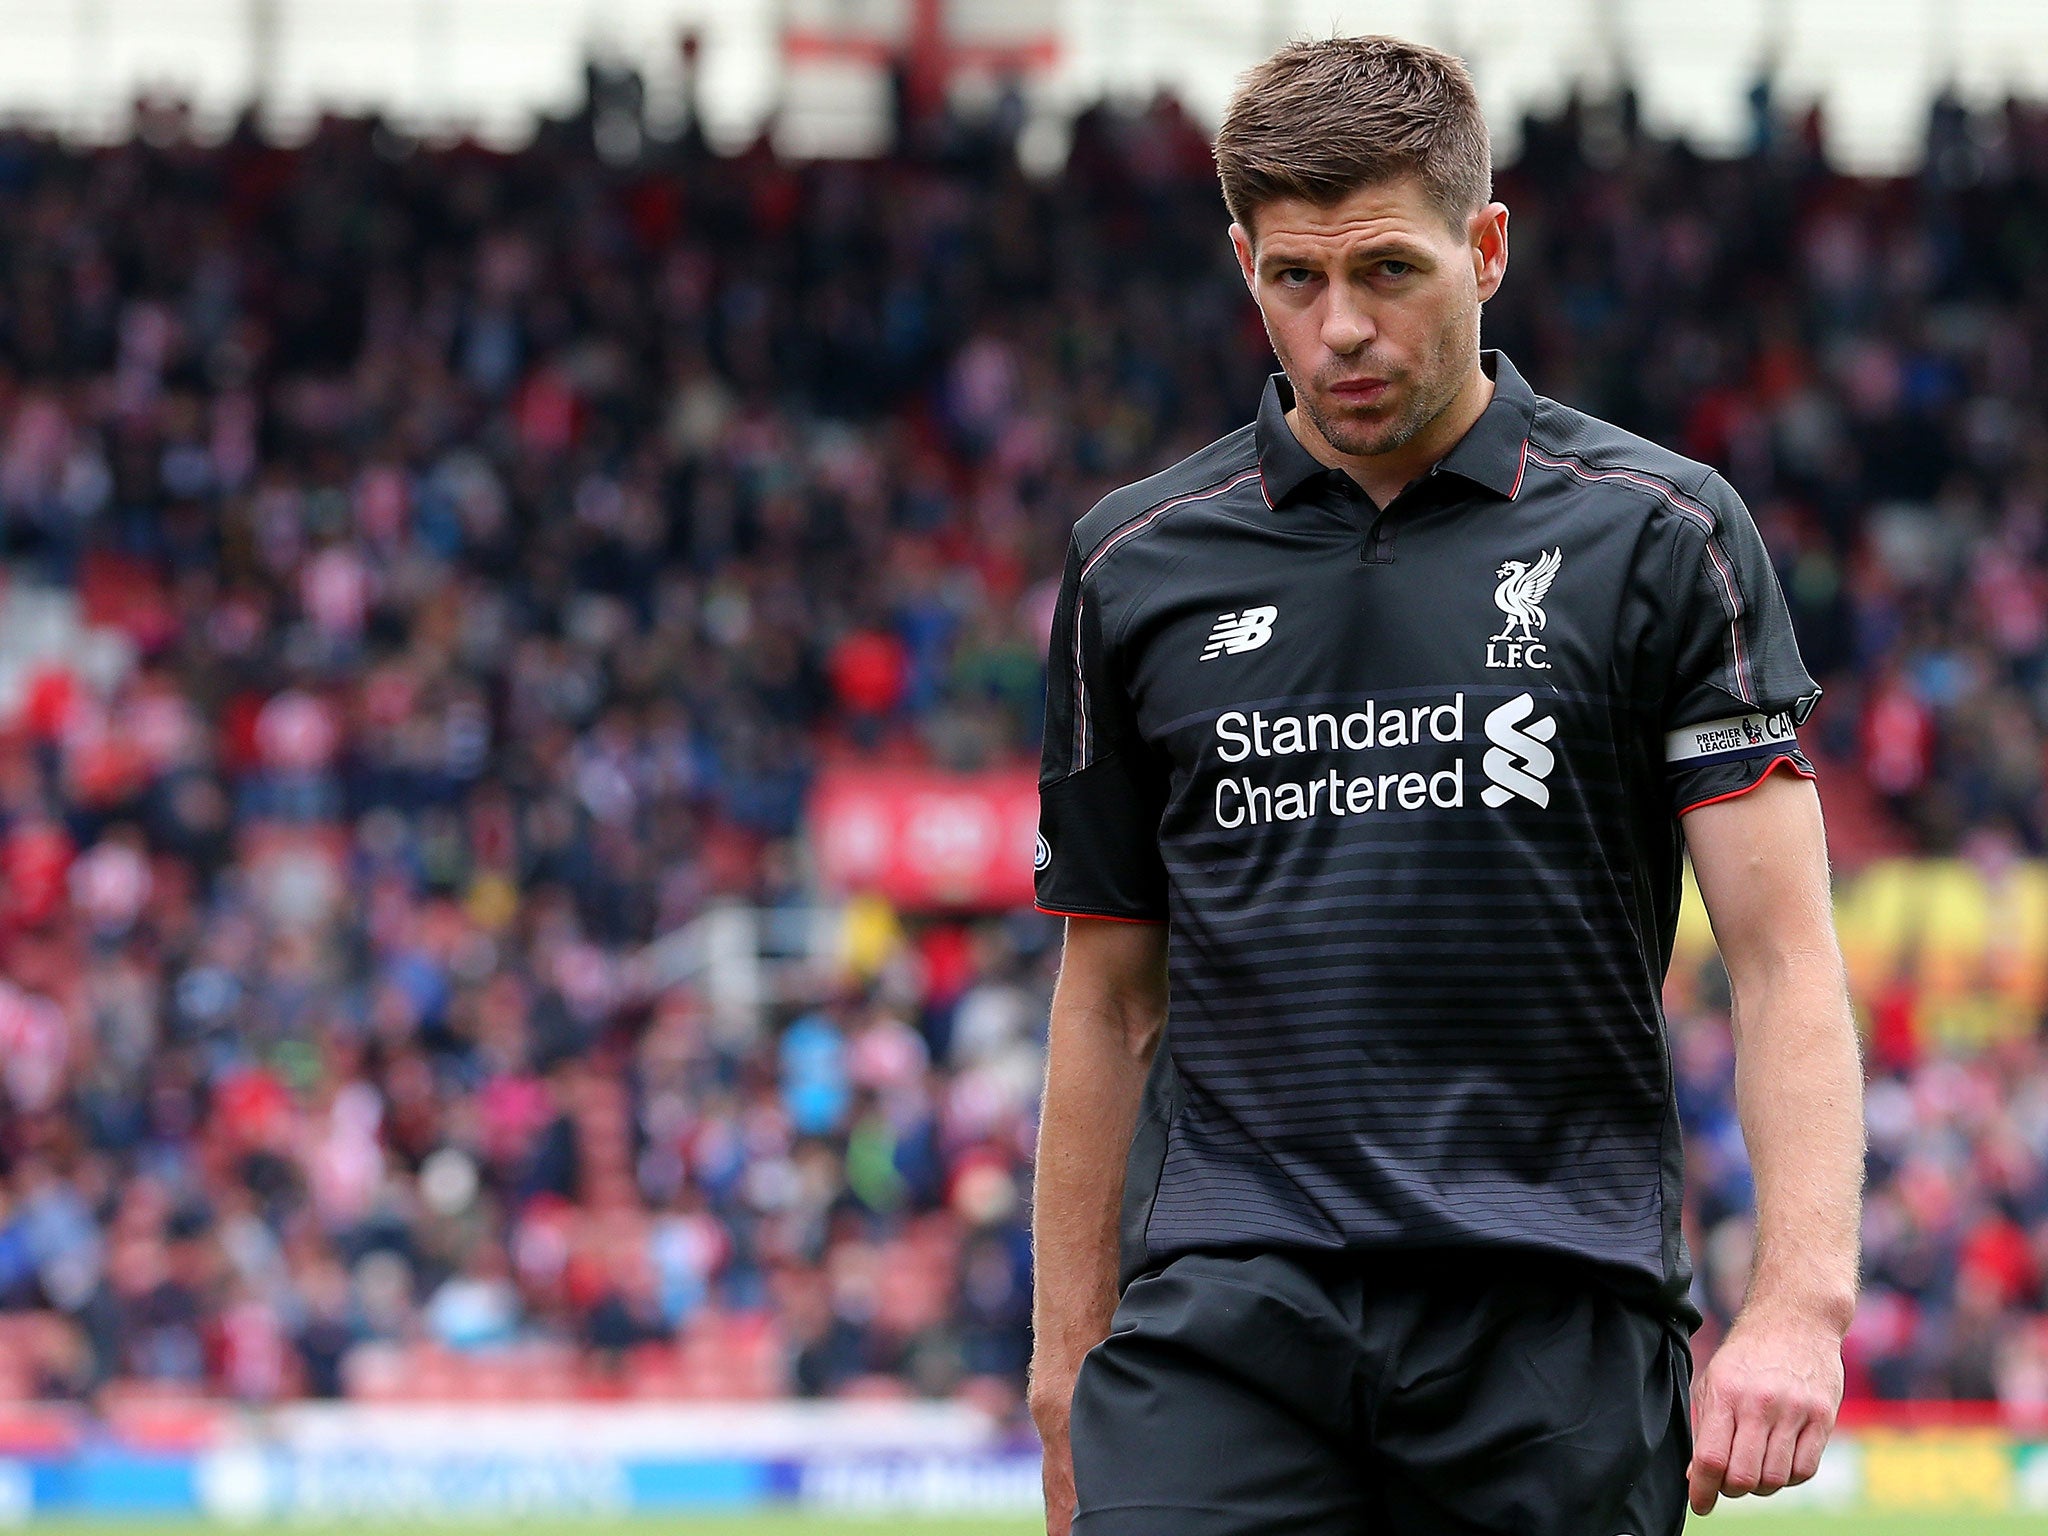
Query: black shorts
{"points": [[1291, 1396]]}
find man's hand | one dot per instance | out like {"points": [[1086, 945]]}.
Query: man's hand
{"points": [[1764, 1407], [1051, 1402]]}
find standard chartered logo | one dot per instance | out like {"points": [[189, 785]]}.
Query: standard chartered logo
{"points": [[1379, 757], [1520, 758]]}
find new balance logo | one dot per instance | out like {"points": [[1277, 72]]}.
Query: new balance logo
{"points": [[1519, 760], [1236, 632]]}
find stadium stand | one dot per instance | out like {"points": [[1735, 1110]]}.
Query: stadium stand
{"points": [[436, 574]]}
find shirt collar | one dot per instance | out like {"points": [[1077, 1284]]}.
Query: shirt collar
{"points": [[1490, 454]]}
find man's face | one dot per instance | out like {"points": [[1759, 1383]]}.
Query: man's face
{"points": [[1372, 305]]}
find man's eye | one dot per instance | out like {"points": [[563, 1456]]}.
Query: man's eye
{"points": [[1294, 277], [1395, 268]]}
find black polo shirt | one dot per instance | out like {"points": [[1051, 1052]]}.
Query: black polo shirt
{"points": [[1405, 786]]}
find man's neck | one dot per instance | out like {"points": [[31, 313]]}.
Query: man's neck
{"points": [[1383, 476]]}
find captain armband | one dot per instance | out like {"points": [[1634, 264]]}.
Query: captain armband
{"points": [[1730, 739]]}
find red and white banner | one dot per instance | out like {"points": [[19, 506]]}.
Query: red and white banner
{"points": [[923, 838]]}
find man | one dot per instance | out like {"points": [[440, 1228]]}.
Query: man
{"points": [[1371, 734]]}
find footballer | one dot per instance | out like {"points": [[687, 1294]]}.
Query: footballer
{"points": [[1376, 734]]}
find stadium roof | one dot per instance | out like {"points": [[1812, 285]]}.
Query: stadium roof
{"points": [[489, 65]]}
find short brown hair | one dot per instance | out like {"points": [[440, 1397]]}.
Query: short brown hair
{"points": [[1318, 120]]}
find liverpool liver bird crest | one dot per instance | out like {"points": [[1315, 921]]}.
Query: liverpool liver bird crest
{"points": [[1520, 593]]}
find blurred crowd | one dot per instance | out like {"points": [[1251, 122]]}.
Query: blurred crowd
{"points": [[479, 553]]}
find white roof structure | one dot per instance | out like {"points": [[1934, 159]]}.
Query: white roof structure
{"points": [[488, 65]]}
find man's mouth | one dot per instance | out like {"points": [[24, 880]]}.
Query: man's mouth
{"points": [[1359, 391]]}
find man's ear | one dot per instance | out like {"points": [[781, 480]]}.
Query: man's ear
{"points": [[1488, 233], [1241, 242]]}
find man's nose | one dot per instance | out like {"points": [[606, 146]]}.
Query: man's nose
{"points": [[1347, 325]]}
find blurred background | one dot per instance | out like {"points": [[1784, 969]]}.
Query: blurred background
{"points": [[527, 541]]}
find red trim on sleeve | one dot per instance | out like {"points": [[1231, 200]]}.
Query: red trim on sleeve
{"points": [[1101, 917], [1769, 768]]}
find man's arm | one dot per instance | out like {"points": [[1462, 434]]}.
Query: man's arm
{"points": [[1108, 1009], [1765, 1405]]}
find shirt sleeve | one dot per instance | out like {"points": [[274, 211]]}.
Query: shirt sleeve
{"points": [[1739, 690], [1101, 792]]}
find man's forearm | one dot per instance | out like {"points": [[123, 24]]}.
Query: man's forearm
{"points": [[1799, 1090], [1095, 1073]]}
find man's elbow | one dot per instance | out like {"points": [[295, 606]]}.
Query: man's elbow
{"points": [[1129, 1022], [1813, 967]]}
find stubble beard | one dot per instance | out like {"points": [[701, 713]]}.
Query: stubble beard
{"points": [[1368, 438], [1429, 394]]}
